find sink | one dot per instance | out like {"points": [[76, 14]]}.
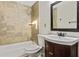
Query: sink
{"points": [[64, 39], [60, 39]]}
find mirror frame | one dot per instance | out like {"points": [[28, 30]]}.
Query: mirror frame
{"points": [[64, 29]]}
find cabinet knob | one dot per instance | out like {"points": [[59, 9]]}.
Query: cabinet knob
{"points": [[50, 53]]}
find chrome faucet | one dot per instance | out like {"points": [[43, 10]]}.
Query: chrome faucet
{"points": [[61, 34]]}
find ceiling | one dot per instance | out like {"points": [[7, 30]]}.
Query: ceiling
{"points": [[28, 3], [52, 2]]}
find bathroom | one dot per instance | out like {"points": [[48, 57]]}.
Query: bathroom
{"points": [[27, 27]]}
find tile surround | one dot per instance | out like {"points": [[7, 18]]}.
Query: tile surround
{"points": [[14, 22]]}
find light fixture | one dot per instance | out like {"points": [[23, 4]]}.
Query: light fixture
{"points": [[34, 23]]}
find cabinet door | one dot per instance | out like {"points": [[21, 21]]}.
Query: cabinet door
{"points": [[61, 51], [49, 49]]}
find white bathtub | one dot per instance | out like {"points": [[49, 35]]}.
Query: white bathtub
{"points": [[14, 50]]}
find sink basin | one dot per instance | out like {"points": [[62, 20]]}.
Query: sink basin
{"points": [[64, 39], [60, 39]]}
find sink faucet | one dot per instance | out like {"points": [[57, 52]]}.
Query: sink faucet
{"points": [[61, 34]]}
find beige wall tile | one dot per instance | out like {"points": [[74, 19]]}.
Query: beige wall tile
{"points": [[14, 23]]}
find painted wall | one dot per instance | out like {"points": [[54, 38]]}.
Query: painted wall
{"points": [[44, 17], [14, 20], [44, 20]]}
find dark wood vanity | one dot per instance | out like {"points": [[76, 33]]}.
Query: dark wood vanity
{"points": [[58, 50]]}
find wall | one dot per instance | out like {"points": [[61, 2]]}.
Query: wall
{"points": [[35, 17], [44, 20], [14, 20], [44, 17]]}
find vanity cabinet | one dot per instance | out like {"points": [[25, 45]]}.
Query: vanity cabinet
{"points": [[58, 50]]}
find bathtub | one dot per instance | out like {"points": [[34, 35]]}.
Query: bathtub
{"points": [[14, 50]]}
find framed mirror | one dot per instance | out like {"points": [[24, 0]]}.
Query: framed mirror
{"points": [[65, 16]]}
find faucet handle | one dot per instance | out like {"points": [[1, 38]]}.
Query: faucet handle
{"points": [[64, 34], [61, 34]]}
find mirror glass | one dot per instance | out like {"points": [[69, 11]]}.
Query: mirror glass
{"points": [[64, 15]]}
